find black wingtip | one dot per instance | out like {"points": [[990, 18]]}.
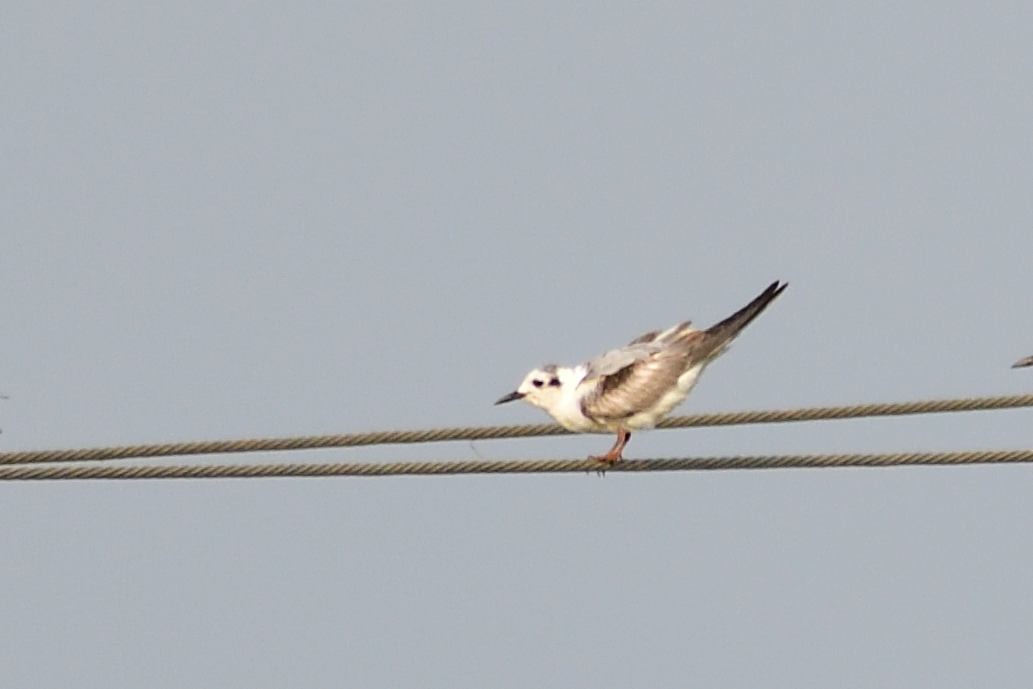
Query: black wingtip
{"points": [[733, 325], [775, 288]]}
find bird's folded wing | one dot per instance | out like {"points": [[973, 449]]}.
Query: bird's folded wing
{"points": [[638, 385], [616, 359]]}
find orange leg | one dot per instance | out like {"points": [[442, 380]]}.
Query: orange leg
{"points": [[614, 455]]}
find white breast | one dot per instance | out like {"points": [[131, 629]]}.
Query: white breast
{"points": [[569, 415]]}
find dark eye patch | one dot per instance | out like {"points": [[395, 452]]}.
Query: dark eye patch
{"points": [[555, 382], [537, 383]]}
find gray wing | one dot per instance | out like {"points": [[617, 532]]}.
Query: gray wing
{"points": [[616, 359], [625, 381], [639, 349]]}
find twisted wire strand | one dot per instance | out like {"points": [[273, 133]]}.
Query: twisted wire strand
{"points": [[733, 418], [542, 466]]}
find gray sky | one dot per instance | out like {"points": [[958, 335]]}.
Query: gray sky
{"points": [[253, 220]]}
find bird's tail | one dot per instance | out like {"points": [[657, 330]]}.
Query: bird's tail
{"points": [[724, 332]]}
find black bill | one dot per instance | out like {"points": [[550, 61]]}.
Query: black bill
{"points": [[510, 397]]}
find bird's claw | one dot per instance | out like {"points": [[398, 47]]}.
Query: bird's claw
{"points": [[604, 462]]}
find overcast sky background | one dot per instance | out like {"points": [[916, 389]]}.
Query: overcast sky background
{"points": [[245, 219]]}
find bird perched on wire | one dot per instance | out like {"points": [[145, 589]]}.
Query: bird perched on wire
{"points": [[1023, 362], [635, 386]]}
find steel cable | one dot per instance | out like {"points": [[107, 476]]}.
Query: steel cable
{"points": [[734, 418]]}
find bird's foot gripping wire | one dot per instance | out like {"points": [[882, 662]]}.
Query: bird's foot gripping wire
{"points": [[614, 455], [601, 466]]}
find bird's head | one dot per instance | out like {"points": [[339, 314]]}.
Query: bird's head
{"points": [[542, 387]]}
